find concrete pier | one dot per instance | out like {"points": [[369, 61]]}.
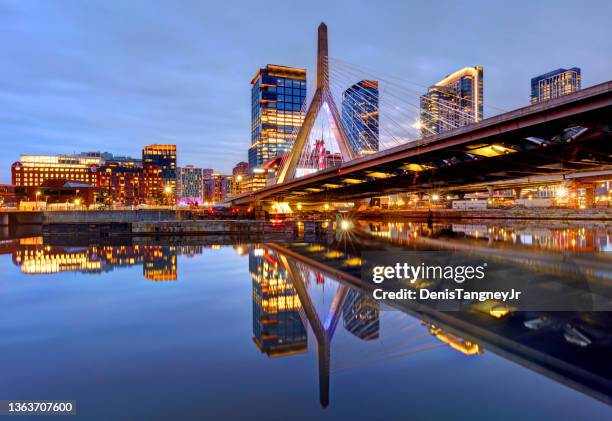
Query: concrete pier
{"points": [[198, 227]]}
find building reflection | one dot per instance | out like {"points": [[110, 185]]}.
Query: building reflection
{"points": [[555, 236], [159, 262], [361, 315], [278, 329]]}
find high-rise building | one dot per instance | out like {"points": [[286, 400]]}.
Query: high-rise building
{"points": [[189, 185], [555, 84], [278, 94], [164, 158], [455, 101], [360, 115]]}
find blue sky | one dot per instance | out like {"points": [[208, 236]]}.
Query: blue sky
{"points": [[115, 75]]}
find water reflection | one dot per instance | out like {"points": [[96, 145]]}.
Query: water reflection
{"points": [[278, 329], [577, 236], [307, 298]]}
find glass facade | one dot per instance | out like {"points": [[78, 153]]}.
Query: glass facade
{"points": [[555, 84], [360, 113], [278, 94], [163, 157], [455, 101]]}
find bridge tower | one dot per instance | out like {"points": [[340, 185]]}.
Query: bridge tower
{"points": [[322, 95]]}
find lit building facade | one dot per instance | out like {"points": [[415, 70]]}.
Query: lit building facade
{"points": [[121, 185], [189, 185], [360, 114], [455, 101], [164, 158], [278, 94], [215, 188], [34, 170], [555, 84]]}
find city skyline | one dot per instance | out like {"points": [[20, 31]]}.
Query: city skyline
{"points": [[184, 80]]}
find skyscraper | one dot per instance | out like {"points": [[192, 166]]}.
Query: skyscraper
{"points": [[278, 94], [164, 158], [360, 116], [455, 101], [554, 84]]}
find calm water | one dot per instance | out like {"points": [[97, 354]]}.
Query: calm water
{"points": [[176, 331]]}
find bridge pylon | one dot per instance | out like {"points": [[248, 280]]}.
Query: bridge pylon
{"points": [[322, 95]]}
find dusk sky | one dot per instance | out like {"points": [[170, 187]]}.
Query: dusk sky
{"points": [[116, 75]]}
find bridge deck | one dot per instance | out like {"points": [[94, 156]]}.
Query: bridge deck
{"points": [[451, 159]]}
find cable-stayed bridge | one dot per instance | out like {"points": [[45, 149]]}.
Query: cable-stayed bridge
{"points": [[413, 143]]}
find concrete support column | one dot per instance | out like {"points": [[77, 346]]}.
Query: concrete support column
{"points": [[517, 192], [4, 219], [491, 191]]}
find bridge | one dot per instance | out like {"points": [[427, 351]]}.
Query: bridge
{"points": [[547, 141]]}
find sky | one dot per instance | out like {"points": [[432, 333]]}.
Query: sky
{"points": [[115, 75]]}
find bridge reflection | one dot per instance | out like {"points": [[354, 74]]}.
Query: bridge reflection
{"points": [[569, 347]]}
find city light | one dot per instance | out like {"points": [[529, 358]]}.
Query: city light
{"points": [[435, 197], [345, 225], [561, 192]]}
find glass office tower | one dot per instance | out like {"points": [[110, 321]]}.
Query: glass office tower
{"points": [[278, 94], [555, 84], [163, 158], [455, 101], [360, 115]]}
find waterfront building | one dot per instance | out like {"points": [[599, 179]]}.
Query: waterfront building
{"points": [[189, 185], [122, 184], [278, 329], [455, 101], [164, 158], [216, 188], [34, 170], [555, 84], [360, 114], [10, 195], [278, 95]]}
